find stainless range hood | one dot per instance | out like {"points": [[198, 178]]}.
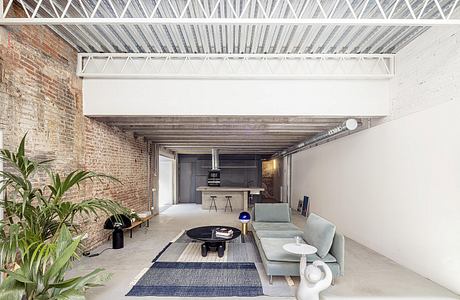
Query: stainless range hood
{"points": [[214, 174], [215, 159]]}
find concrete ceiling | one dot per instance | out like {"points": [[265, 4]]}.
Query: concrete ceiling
{"points": [[230, 134]]}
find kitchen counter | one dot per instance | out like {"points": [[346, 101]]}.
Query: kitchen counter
{"points": [[240, 198]]}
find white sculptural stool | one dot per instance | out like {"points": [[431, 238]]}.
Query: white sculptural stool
{"points": [[315, 277]]}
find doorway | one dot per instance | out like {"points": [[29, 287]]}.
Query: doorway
{"points": [[166, 183]]}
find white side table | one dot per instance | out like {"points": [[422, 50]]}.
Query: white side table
{"points": [[301, 249]]}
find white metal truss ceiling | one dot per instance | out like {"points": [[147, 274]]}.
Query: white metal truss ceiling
{"points": [[236, 26], [240, 66]]}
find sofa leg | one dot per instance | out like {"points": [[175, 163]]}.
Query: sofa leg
{"points": [[333, 281], [270, 279]]}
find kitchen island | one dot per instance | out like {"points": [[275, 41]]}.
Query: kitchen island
{"points": [[240, 196]]}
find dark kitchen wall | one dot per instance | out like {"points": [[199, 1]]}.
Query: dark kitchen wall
{"points": [[235, 171]]}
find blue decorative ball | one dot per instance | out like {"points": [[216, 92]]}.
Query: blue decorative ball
{"points": [[244, 217]]}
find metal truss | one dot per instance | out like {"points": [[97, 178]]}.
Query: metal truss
{"points": [[229, 12], [236, 66]]}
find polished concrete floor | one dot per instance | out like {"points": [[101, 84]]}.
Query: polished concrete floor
{"points": [[368, 275]]}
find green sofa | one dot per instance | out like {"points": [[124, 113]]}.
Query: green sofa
{"points": [[272, 228]]}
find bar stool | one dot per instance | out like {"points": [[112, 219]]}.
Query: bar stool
{"points": [[213, 203], [228, 203]]}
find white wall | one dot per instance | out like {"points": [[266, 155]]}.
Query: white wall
{"points": [[166, 190], [396, 187], [235, 97]]}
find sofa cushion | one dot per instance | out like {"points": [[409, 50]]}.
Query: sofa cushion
{"points": [[329, 258], [278, 233], [273, 250], [274, 226], [319, 233], [272, 212]]}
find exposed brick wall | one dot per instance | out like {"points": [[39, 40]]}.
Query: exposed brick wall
{"points": [[40, 94], [110, 151], [427, 73]]}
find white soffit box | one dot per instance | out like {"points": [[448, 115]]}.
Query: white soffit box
{"points": [[104, 97]]}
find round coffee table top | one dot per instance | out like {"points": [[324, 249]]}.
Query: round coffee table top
{"points": [[302, 249], [207, 233]]}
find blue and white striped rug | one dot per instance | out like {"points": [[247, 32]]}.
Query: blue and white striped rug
{"points": [[179, 270], [194, 279]]}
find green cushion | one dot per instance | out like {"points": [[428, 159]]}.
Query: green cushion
{"points": [[273, 250], [319, 233], [272, 212], [278, 234], [327, 259], [273, 226]]}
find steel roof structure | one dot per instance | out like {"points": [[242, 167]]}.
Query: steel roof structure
{"points": [[235, 26], [228, 39]]}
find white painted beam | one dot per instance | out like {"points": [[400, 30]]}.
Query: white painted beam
{"points": [[199, 97]]}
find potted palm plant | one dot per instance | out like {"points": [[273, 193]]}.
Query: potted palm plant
{"points": [[39, 234]]}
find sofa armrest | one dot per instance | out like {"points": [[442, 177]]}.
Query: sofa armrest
{"points": [[338, 251]]}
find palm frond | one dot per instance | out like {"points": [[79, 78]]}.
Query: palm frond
{"points": [[74, 179], [39, 232], [10, 289]]}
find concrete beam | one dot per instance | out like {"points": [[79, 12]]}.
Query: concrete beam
{"points": [[216, 120], [225, 131], [235, 134], [221, 140], [155, 133], [205, 126]]}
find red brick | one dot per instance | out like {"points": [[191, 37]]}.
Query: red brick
{"points": [[41, 94]]}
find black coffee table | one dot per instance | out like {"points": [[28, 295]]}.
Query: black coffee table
{"points": [[207, 234]]}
